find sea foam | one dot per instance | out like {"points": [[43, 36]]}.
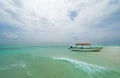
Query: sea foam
{"points": [[90, 69], [20, 64]]}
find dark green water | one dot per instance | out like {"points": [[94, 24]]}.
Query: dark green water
{"points": [[58, 62]]}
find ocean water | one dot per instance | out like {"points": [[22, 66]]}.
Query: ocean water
{"points": [[27, 61]]}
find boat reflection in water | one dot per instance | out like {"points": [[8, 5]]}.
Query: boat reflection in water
{"points": [[85, 47]]}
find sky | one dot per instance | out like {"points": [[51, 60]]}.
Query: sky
{"points": [[59, 21]]}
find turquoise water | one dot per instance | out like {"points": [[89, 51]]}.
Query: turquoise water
{"points": [[23, 61]]}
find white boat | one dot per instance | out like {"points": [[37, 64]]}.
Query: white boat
{"points": [[85, 47]]}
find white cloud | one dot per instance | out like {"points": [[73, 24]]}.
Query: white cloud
{"points": [[10, 35], [49, 20]]}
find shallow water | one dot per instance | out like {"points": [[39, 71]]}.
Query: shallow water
{"points": [[25, 61]]}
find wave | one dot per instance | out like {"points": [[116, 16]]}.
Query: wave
{"points": [[90, 69], [17, 64], [20, 64]]}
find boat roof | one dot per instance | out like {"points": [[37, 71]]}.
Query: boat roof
{"points": [[82, 44]]}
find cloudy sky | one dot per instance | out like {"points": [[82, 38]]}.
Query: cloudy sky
{"points": [[60, 21]]}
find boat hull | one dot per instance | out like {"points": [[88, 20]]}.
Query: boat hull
{"points": [[86, 50]]}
